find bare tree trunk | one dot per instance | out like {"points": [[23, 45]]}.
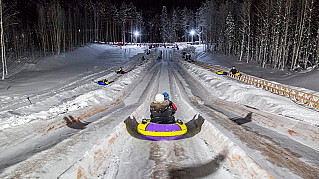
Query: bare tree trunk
{"points": [[123, 30], [300, 31], [308, 45], [4, 54], [249, 39], [242, 47], [70, 31], [107, 39], [132, 31], [285, 45], [317, 48], [3, 58], [86, 25], [113, 31]]}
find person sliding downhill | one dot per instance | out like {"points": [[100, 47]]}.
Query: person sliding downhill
{"points": [[162, 125], [120, 71], [161, 110], [103, 82]]}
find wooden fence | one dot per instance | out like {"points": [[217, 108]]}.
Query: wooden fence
{"points": [[300, 97]]}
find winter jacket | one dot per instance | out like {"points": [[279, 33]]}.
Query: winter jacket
{"points": [[173, 105], [233, 71], [162, 112]]}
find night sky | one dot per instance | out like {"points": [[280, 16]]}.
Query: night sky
{"points": [[156, 5], [149, 8]]}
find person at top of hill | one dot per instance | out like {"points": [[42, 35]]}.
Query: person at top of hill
{"points": [[161, 111]]}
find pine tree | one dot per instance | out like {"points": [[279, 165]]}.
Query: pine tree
{"points": [[164, 25], [131, 15], [230, 33], [123, 16], [185, 23], [202, 23], [175, 25], [139, 23], [245, 30]]}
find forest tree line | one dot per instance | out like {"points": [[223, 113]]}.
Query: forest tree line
{"points": [[277, 33], [55, 26]]}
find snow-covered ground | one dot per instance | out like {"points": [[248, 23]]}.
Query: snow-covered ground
{"points": [[244, 134], [63, 83]]}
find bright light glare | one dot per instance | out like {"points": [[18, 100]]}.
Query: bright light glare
{"points": [[192, 32], [136, 33]]}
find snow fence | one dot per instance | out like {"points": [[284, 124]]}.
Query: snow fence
{"points": [[298, 96]]}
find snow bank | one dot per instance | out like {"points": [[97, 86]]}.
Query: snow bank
{"points": [[237, 159], [58, 105], [227, 89]]}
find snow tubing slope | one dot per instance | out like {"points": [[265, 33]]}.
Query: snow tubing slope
{"points": [[155, 131]]}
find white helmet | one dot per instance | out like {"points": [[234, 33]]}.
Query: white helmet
{"points": [[159, 98]]}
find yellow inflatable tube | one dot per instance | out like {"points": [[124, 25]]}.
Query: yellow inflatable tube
{"points": [[146, 128]]}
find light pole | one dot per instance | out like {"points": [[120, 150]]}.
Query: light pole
{"points": [[192, 34], [136, 34]]}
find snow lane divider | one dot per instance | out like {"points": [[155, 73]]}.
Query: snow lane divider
{"points": [[239, 160], [298, 96]]}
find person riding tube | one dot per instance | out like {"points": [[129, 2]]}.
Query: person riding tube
{"points": [[120, 71], [161, 111], [103, 82], [233, 70], [162, 125]]}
